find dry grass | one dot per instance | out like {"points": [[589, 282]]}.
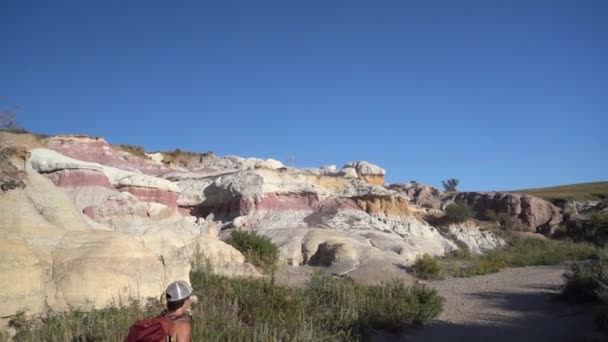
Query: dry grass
{"points": [[134, 150], [519, 252], [241, 309], [579, 192]]}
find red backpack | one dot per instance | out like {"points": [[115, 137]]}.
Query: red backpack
{"points": [[155, 329]]}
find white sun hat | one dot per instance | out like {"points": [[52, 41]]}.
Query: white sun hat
{"points": [[177, 291]]}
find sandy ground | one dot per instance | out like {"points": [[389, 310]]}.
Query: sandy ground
{"points": [[514, 305]]}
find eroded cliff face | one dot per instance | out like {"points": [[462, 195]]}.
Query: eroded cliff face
{"points": [[12, 166], [87, 222], [83, 243], [531, 213], [318, 218]]}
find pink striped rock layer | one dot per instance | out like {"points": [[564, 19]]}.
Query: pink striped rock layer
{"points": [[243, 206], [373, 205], [97, 150], [83, 178], [165, 197], [79, 178]]}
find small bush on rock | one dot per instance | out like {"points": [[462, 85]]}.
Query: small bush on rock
{"points": [[257, 249], [459, 212], [506, 221]]}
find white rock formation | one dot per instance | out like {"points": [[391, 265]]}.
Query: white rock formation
{"points": [[366, 168], [44, 160], [476, 239]]}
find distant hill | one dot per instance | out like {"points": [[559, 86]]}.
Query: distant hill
{"points": [[581, 192]]}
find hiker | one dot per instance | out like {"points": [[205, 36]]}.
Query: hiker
{"points": [[179, 299], [173, 325]]}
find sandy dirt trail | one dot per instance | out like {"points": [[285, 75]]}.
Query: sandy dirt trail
{"points": [[517, 304]]}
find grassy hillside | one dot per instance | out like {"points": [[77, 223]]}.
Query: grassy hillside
{"points": [[581, 192]]}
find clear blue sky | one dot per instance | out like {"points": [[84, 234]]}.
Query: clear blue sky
{"points": [[500, 94]]}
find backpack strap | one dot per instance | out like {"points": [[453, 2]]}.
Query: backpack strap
{"points": [[179, 318], [175, 318]]}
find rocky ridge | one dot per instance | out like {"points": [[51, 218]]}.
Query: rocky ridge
{"points": [[87, 221]]}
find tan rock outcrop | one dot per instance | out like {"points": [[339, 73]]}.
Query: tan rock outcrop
{"points": [[95, 268], [532, 213], [52, 257], [383, 205], [22, 278], [419, 194], [368, 172]]}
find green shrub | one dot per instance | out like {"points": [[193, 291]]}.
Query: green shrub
{"points": [[459, 212], [257, 249], [338, 301], [487, 266], [506, 221], [427, 267], [352, 310], [581, 283], [394, 307], [599, 228], [475, 266], [235, 308], [587, 281], [461, 253], [592, 228], [427, 205]]}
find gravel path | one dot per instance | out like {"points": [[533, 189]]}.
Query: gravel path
{"points": [[514, 305]]}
